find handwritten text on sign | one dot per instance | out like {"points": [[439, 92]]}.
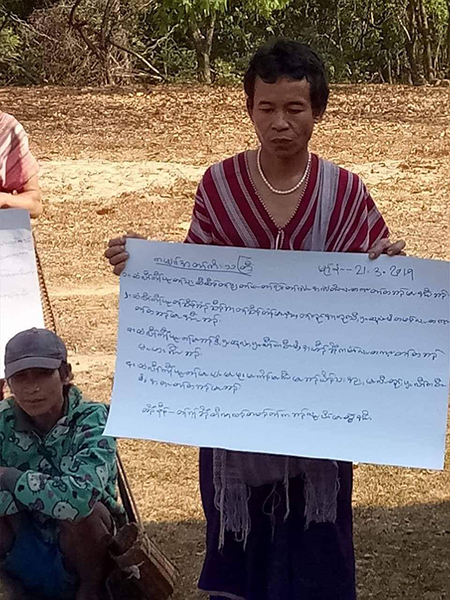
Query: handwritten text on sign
{"points": [[20, 299], [299, 353]]}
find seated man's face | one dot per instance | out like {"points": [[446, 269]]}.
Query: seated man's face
{"points": [[37, 391]]}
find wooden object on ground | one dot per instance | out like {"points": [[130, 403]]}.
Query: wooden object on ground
{"points": [[135, 554]]}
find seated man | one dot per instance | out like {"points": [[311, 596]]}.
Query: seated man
{"points": [[58, 473]]}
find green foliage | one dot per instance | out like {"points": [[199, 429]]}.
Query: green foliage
{"points": [[202, 8], [42, 49], [360, 40], [24, 8], [10, 56]]}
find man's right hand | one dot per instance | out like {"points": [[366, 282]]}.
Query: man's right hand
{"points": [[116, 251]]}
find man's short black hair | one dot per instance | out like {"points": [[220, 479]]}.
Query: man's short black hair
{"points": [[291, 59]]}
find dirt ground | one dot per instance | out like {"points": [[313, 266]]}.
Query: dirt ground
{"points": [[119, 160]]}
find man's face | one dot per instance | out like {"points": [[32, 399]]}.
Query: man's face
{"points": [[282, 115], [37, 391]]}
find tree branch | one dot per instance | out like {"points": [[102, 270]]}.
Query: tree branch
{"points": [[140, 57], [18, 20], [210, 30], [5, 20], [78, 27], [405, 29], [72, 13], [159, 41]]}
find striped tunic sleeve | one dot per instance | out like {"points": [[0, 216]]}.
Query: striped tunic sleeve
{"points": [[356, 223], [17, 164], [200, 227]]}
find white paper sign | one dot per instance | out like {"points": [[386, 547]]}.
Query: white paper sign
{"points": [[20, 299], [298, 353]]}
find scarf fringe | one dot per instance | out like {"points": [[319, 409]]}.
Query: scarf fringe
{"points": [[232, 492], [231, 500], [320, 504]]}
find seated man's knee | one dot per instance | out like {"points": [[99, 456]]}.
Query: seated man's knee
{"points": [[102, 514], [84, 545], [7, 536], [96, 526]]}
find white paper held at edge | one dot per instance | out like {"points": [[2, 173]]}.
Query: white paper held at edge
{"points": [[20, 298], [299, 353]]}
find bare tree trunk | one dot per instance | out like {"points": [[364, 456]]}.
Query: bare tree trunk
{"points": [[203, 40], [111, 9], [389, 69], [411, 43], [113, 41], [109, 43], [79, 27], [422, 20], [448, 38], [338, 25], [203, 66]]}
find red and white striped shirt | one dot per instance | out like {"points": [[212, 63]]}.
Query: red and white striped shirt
{"points": [[229, 212], [17, 164]]}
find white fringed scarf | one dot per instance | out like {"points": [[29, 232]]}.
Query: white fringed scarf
{"points": [[235, 473]]}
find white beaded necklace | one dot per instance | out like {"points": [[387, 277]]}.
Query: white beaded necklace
{"points": [[270, 186]]}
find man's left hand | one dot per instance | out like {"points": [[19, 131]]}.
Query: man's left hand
{"points": [[385, 246]]}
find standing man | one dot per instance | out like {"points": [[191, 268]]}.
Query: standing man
{"points": [[280, 528]]}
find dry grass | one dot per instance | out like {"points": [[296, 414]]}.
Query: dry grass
{"points": [[397, 138]]}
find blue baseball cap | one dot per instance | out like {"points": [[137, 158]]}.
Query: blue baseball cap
{"points": [[34, 349]]}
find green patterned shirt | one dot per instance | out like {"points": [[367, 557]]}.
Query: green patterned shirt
{"points": [[61, 475]]}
